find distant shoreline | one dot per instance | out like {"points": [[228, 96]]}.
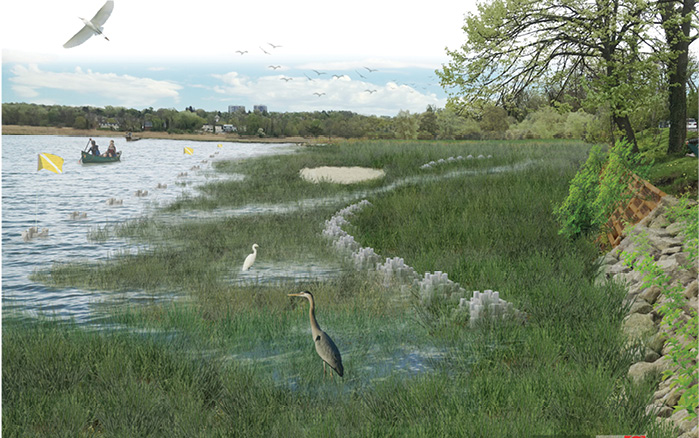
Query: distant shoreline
{"points": [[87, 133]]}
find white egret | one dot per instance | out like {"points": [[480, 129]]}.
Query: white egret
{"points": [[250, 259], [92, 27]]}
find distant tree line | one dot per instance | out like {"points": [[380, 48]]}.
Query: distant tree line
{"points": [[534, 119]]}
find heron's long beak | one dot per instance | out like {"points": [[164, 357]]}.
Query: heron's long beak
{"points": [[294, 295]]}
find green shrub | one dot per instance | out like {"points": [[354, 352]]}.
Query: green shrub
{"points": [[576, 213], [599, 188]]}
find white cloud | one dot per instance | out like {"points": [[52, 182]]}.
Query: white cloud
{"points": [[122, 89], [343, 93]]}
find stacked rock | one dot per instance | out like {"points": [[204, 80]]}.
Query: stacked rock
{"points": [[488, 303], [77, 215], [665, 243], [114, 201], [34, 232], [395, 270], [437, 284], [441, 161], [344, 242], [365, 258]]}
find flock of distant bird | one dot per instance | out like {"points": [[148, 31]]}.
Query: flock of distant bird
{"points": [[317, 72]]}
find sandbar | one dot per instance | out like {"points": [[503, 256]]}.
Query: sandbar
{"points": [[341, 175]]}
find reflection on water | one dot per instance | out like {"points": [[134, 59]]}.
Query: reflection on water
{"points": [[278, 274], [48, 200]]}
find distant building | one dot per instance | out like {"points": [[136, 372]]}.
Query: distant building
{"points": [[109, 125], [236, 109], [229, 128], [260, 108], [147, 125]]}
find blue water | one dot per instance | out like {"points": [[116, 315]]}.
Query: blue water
{"points": [[45, 199]]}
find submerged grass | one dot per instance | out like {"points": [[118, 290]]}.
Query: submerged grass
{"points": [[239, 361]]}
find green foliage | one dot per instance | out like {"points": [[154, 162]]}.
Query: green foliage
{"points": [[80, 123], [599, 188], [616, 176], [428, 122], [452, 126], [576, 214], [494, 119], [577, 123], [686, 212], [406, 126]]}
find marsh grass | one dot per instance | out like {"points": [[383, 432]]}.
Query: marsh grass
{"points": [[276, 179], [241, 361]]}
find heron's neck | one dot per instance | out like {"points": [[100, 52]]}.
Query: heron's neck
{"points": [[312, 314]]}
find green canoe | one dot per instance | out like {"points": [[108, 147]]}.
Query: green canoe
{"points": [[89, 158]]}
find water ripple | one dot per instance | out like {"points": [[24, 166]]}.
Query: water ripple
{"points": [[47, 200]]}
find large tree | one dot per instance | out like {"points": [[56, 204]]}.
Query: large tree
{"points": [[514, 45], [679, 22]]}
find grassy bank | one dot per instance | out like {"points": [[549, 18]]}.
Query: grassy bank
{"points": [[238, 360]]}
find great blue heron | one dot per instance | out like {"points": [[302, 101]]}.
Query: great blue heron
{"points": [[250, 259], [325, 347], [92, 27]]}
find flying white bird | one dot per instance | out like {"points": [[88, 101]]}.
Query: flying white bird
{"points": [[92, 27], [242, 52], [274, 67], [250, 259], [319, 94]]}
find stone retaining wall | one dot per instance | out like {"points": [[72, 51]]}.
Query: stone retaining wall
{"points": [[665, 243]]}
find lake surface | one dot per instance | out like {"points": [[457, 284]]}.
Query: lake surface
{"points": [[47, 200]]}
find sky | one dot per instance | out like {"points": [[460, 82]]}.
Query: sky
{"points": [[372, 57]]}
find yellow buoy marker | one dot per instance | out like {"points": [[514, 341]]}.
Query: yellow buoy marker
{"points": [[189, 151], [51, 162], [220, 145]]}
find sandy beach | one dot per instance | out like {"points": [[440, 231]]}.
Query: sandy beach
{"points": [[341, 175]]}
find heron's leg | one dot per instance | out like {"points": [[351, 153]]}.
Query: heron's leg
{"points": [[323, 369]]}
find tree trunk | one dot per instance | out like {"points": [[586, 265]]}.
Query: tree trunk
{"points": [[624, 124], [678, 40]]}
